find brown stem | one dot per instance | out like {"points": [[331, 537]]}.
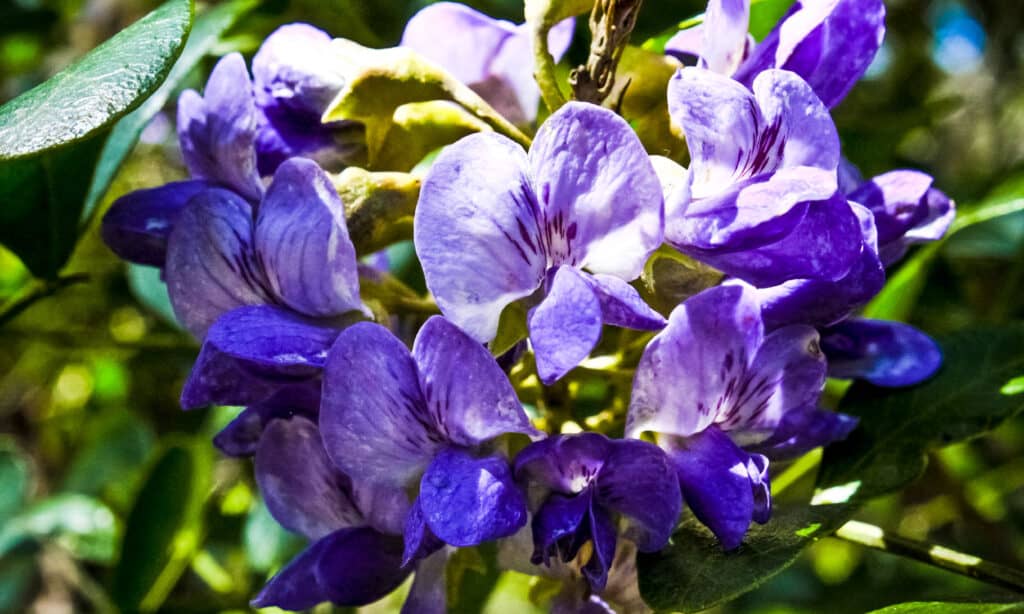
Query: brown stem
{"points": [[611, 23]]}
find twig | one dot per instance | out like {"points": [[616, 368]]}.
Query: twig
{"points": [[868, 535], [611, 23], [40, 290]]}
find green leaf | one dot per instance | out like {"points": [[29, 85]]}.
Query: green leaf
{"points": [[84, 526], [898, 427], [694, 573], [164, 528], [471, 575], [51, 136], [946, 607], [15, 479], [109, 461], [149, 288], [205, 35]]}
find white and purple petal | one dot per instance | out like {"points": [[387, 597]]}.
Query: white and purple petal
{"points": [[468, 394], [725, 35], [884, 353], [373, 418], [563, 463], [210, 267], [302, 242], [137, 225], [478, 232], [691, 369], [621, 304], [600, 196]]}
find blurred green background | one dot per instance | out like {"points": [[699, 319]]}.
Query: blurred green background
{"points": [[112, 497]]}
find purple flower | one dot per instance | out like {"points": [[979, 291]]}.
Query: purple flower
{"points": [[217, 134], [907, 210], [491, 56], [355, 554], [829, 43], [295, 77], [494, 224], [588, 482], [902, 209], [267, 291], [292, 251], [430, 417], [723, 396], [761, 203]]}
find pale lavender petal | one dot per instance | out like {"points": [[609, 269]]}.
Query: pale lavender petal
{"points": [[510, 86], [826, 244], [805, 134], [563, 463], [468, 393], [458, 38], [467, 501], [477, 232], [688, 371], [829, 44], [940, 213], [601, 199], [217, 132], [787, 372], [621, 304], [251, 353], [137, 225], [638, 482], [897, 200], [429, 591], [293, 71], [566, 325], [210, 268], [725, 35], [302, 488], [303, 244], [883, 353], [718, 481], [850, 176], [750, 213], [804, 429], [687, 45], [373, 417]]}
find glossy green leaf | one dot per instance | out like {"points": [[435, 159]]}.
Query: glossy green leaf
{"points": [[84, 526], [946, 607], [693, 572], [164, 528], [206, 34], [898, 427], [51, 136]]}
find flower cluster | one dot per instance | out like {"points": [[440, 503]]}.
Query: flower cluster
{"points": [[388, 459]]}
